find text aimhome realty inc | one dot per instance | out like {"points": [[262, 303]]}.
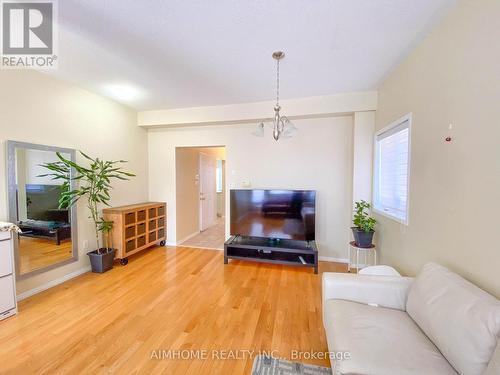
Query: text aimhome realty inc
{"points": [[243, 354]]}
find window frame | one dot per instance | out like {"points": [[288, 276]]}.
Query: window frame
{"points": [[406, 221]]}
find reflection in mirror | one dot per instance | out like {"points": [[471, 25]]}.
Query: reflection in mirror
{"points": [[46, 238]]}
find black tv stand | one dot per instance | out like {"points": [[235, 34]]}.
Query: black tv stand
{"points": [[267, 250]]}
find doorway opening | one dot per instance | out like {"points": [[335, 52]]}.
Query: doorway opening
{"points": [[200, 196]]}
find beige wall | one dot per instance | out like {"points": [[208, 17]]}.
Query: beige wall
{"points": [[39, 109], [216, 152], [453, 76], [318, 157], [187, 191]]}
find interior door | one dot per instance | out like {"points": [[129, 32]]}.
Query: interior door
{"points": [[208, 199]]}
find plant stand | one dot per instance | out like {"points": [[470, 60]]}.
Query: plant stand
{"points": [[367, 250]]}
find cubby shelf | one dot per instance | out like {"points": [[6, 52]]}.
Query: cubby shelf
{"points": [[137, 227]]}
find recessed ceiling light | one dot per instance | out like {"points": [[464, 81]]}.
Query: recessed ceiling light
{"points": [[123, 92]]}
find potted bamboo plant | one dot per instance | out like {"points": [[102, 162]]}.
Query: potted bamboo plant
{"points": [[364, 224], [93, 185]]}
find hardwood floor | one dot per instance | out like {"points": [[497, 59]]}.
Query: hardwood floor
{"points": [[211, 238], [167, 299], [38, 253]]}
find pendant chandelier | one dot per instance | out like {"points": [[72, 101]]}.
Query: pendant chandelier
{"points": [[282, 127]]}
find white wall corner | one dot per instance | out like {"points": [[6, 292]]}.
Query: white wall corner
{"points": [[364, 131]]}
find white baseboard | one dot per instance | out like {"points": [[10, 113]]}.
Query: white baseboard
{"points": [[52, 283], [333, 259], [188, 237]]}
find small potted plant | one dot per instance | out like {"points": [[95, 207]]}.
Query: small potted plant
{"points": [[364, 225], [94, 185]]}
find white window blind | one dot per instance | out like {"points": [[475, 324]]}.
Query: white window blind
{"points": [[391, 172]]}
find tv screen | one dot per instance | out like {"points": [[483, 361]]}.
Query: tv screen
{"points": [[42, 202], [276, 214]]}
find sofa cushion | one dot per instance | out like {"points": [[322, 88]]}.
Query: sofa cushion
{"points": [[462, 320], [380, 341], [494, 365]]}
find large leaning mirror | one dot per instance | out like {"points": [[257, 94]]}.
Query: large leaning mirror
{"points": [[48, 237]]}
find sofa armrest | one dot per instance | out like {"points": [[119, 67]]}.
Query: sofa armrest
{"points": [[385, 291]]}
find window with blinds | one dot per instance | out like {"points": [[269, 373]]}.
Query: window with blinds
{"points": [[391, 172]]}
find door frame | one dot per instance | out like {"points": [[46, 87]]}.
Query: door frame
{"points": [[225, 187]]}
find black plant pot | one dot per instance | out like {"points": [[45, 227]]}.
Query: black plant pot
{"points": [[101, 262], [362, 238]]}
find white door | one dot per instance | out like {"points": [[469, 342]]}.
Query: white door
{"points": [[208, 199]]}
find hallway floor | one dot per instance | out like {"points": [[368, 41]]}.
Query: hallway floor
{"points": [[211, 238]]}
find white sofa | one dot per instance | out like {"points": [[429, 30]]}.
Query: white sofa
{"points": [[435, 324]]}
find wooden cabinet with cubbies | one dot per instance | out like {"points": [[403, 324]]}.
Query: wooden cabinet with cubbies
{"points": [[137, 227]]}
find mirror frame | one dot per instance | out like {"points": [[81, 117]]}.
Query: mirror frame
{"points": [[11, 181]]}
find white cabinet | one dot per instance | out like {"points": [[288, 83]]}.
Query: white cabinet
{"points": [[6, 266], [8, 304], [7, 297]]}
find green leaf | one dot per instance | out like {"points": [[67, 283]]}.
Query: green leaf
{"points": [[93, 184], [86, 156], [362, 220]]}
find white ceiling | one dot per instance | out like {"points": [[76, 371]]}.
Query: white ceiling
{"points": [[156, 54]]}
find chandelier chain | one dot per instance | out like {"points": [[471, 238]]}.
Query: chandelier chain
{"points": [[277, 82]]}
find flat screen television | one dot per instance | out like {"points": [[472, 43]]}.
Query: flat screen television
{"points": [[274, 214], [42, 202]]}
